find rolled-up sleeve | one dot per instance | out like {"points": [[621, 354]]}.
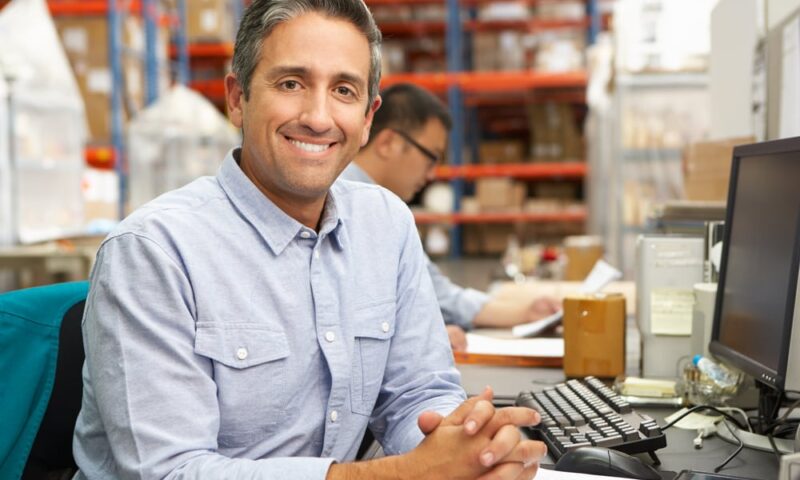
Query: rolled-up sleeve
{"points": [[420, 373], [155, 398]]}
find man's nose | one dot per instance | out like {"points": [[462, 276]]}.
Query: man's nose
{"points": [[316, 114]]}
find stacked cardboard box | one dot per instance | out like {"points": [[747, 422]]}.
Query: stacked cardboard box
{"points": [[500, 194], [554, 133], [707, 169], [209, 21], [501, 151], [86, 43]]}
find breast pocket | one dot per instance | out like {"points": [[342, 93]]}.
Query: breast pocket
{"points": [[250, 370], [373, 329]]}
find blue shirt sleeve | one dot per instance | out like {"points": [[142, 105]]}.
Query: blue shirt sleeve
{"points": [[420, 372], [459, 305]]}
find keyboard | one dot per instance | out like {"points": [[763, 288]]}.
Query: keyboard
{"points": [[586, 412]]}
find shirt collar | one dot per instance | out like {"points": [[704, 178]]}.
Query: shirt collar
{"points": [[276, 227]]}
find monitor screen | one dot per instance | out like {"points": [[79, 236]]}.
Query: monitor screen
{"points": [[759, 267]]}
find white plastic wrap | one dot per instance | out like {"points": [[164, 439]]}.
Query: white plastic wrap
{"points": [[178, 138], [40, 181]]}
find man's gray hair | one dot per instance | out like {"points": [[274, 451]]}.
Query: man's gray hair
{"points": [[262, 16]]}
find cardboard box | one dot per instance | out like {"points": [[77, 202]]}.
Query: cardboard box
{"points": [[499, 194], [85, 41], [209, 21], [501, 151], [707, 169]]}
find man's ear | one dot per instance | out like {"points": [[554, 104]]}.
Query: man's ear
{"points": [[370, 115], [384, 144], [234, 96]]}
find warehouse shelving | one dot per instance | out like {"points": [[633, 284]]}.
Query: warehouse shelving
{"points": [[467, 90], [524, 171]]}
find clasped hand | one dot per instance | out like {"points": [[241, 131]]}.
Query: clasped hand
{"points": [[477, 441]]}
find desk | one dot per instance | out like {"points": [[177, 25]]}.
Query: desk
{"points": [[50, 262], [679, 453]]}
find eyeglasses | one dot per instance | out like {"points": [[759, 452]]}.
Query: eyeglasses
{"points": [[432, 157]]}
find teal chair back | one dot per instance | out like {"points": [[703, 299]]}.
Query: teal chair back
{"points": [[30, 337]]}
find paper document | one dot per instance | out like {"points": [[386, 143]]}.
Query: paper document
{"points": [[529, 347], [601, 275], [544, 474], [671, 311]]}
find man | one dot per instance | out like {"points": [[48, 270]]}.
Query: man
{"points": [[407, 139], [256, 323]]}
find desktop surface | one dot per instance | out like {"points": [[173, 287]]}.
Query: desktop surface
{"points": [[679, 453]]}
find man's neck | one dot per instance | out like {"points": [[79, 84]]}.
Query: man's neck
{"points": [[370, 167], [304, 210]]}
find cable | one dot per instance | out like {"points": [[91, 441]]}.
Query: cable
{"points": [[703, 407], [740, 412], [732, 455]]}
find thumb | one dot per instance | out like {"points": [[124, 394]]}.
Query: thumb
{"points": [[428, 421]]}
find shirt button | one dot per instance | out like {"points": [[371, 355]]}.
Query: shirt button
{"points": [[385, 326], [334, 415], [241, 353], [330, 336], [316, 254], [305, 234]]}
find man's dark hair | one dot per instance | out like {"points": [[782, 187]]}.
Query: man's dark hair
{"points": [[262, 16], [408, 108]]}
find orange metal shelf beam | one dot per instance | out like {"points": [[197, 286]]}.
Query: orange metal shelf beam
{"points": [[500, 217], [206, 50], [213, 89], [86, 7], [477, 82], [99, 157], [528, 171]]}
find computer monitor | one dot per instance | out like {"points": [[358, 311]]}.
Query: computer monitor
{"points": [[757, 316]]}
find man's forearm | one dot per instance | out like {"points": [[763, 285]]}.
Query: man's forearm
{"points": [[387, 468]]}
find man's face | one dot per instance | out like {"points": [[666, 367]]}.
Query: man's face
{"points": [[413, 165], [305, 118]]}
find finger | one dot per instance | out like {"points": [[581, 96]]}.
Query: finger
{"points": [[459, 415], [428, 421], [501, 445], [518, 416], [504, 471], [481, 414], [526, 451]]}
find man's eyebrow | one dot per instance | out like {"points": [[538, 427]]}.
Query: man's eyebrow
{"points": [[282, 70]]}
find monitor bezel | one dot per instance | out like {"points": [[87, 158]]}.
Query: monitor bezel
{"points": [[773, 378]]}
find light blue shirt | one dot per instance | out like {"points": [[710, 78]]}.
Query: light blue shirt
{"points": [[224, 339], [459, 305]]}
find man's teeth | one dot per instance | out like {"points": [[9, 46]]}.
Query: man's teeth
{"points": [[310, 147]]}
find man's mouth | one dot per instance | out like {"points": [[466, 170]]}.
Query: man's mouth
{"points": [[310, 147]]}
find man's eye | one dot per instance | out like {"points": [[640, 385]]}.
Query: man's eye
{"points": [[290, 85], [344, 91]]}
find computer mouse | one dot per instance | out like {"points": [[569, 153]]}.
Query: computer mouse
{"points": [[604, 461]]}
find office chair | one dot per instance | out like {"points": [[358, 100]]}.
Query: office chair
{"points": [[41, 356]]}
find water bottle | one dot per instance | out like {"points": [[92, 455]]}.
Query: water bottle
{"points": [[716, 372]]}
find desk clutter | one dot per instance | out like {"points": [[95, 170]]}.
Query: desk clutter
{"points": [[580, 413]]}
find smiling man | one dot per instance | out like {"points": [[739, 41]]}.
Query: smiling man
{"points": [[256, 323]]}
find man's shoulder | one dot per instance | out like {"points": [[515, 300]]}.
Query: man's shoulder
{"points": [[176, 210], [359, 196]]}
